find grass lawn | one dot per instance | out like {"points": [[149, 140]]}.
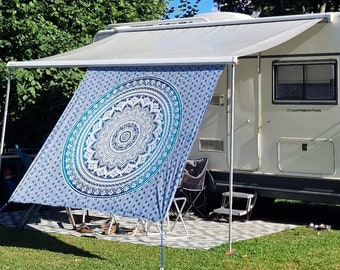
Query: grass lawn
{"points": [[300, 248]]}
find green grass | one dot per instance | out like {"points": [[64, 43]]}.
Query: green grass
{"points": [[300, 248]]}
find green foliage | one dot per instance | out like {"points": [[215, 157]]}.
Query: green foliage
{"points": [[240, 6], [32, 29], [185, 9], [277, 7]]}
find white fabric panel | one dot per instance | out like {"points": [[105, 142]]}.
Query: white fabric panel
{"points": [[195, 45]]}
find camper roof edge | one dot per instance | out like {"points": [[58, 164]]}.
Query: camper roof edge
{"points": [[206, 21]]}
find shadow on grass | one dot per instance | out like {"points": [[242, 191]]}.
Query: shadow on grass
{"points": [[13, 237], [300, 213]]}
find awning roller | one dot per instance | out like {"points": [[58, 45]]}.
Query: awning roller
{"points": [[216, 44]]}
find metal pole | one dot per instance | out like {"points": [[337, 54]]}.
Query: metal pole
{"points": [[231, 154], [161, 267], [259, 108], [4, 121]]}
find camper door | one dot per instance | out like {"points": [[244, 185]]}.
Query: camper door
{"points": [[213, 138]]}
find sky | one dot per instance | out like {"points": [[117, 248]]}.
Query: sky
{"points": [[204, 6]]}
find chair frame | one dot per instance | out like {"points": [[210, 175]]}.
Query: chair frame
{"points": [[193, 194], [179, 204]]}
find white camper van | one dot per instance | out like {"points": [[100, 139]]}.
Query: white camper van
{"points": [[286, 115], [286, 120], [273, 123]]}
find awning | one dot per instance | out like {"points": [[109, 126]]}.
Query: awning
{"points": [[60, 175], [212, 42]]}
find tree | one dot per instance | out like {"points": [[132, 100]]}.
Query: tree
{"points": [[185, 9], [240, 6], [278, 7], [32, 29]]}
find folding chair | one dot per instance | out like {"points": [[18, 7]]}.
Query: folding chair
{"points": [[34, 208], [179, 204], [24, 157], [177, 207], [193, 184]]}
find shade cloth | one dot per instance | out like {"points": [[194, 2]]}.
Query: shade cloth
{"points": [[194, 43], [122, 142]]}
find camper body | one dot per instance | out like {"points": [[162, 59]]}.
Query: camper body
{"points": [[286, 113], [286, 120]]}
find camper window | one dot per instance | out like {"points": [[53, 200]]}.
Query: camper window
{"points": [[305, 82]]}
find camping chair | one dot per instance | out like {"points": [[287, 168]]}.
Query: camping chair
{"points": [[176, 208], [24, 157], [193, 184], [34, 208]]}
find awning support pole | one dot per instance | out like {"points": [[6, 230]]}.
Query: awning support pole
{"points": [[231, 154], [161, 266], [4, 120]]}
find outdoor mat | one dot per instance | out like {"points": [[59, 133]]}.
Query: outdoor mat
{"points": [[202, 233]]}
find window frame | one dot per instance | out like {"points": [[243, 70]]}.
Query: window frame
{"points": [[304, 63]]}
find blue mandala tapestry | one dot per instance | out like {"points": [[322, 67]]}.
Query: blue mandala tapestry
{"points": [[122, 142]]}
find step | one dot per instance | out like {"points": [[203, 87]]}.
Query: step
{"points": [[239, 195], [235, 212]]}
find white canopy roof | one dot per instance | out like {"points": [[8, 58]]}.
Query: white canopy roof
{"points": [[195, 42]]}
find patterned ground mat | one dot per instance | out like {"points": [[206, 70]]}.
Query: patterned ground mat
{"points": [[202, 233]]}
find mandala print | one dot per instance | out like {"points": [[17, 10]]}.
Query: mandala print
{"points": [[123, 139]]}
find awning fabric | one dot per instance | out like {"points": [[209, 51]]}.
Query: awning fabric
{"points": [[210, 42], [122, 142]]}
